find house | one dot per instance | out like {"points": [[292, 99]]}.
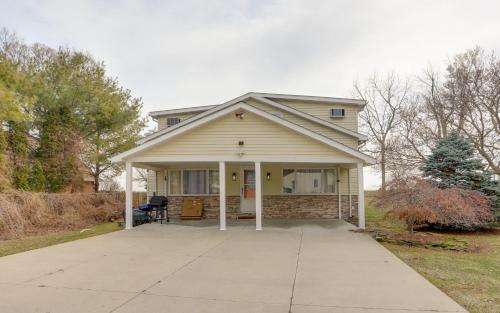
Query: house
{"points": [[260, 154]]}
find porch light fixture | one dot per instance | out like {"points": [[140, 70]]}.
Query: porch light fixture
{"points": [[268, 175], [241, 143], [233, 177]]}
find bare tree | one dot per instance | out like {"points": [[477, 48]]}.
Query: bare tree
{"points": [[473, 87], [110, 185], [385, 97], [427, 119], [141, 176]]}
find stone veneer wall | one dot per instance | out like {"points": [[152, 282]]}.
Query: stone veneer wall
{"points": [[307, 206], [274, 206]]}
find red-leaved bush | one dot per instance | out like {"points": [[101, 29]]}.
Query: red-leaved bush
{"points": [[418, 202]]}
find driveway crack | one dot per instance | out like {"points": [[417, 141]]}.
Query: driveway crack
{"points": [[296, 269]]}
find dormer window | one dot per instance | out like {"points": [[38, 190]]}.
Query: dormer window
{"points": [[337, 112], [171, 121]]}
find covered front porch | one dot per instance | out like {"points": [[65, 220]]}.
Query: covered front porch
{"points": [[273, 188]]}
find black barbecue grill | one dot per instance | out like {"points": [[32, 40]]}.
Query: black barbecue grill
{"points": [[158, 209]]}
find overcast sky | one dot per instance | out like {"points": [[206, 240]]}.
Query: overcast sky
{"points": [[187, 53]]}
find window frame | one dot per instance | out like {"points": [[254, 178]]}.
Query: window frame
{"points": [[207, 182], [337, 116], [295, 169], [172, 118]]}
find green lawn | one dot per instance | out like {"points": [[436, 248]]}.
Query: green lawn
{"points": [[19, 245], [470, 278]]}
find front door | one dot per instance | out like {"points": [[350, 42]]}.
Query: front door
{"points": [[248, 191]]}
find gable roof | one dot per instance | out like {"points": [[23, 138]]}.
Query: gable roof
{"points": [[221, 110], [317, 99], [265, 98], [183, 110]]}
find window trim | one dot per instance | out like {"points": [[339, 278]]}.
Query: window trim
{"points": [[207, 182], [295, 169]]}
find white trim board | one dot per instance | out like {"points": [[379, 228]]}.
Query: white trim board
{"points": [[241, 106]]}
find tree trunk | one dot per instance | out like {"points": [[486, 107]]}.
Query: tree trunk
{"points": [[382, 169], [96, 183], [96, 178]]}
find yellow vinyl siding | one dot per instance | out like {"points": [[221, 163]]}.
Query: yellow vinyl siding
{"points": [[322, 110], [151, 183], [315, 127], [344, 186], [161, 183], [261, 137], [272, 186], [162, 120], [156, 183]]}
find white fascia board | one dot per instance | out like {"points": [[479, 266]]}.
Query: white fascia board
{"points": [[228, 108], [312, 98], [311, 118], [182, 110]]}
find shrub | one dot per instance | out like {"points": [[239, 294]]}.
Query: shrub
{"points": [[29, 213], [418, 202]]}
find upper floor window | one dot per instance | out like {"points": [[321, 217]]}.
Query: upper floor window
{"points": [[337, 112], [171, 121]]}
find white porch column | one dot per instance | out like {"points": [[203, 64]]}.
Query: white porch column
{"points": [[349, 189], [128, 196], [222, 195], [258, 197], [361, 197], [339, 192]]}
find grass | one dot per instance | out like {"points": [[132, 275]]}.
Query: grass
{"points": [[472, 279], [19, 245]]}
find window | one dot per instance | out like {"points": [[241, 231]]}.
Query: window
{"points": [[174, 180], [329, 181], [309, 181], [337, 112], [193, 182], [288, 181], [213, 182], [171, 121]]}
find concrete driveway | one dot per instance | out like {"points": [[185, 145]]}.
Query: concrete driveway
{"points": [[303, 267]]}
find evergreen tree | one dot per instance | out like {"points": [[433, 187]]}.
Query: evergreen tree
{"points": [[10, 110], [18, 144], [58, 150], [37, 178], [452, 164]]}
